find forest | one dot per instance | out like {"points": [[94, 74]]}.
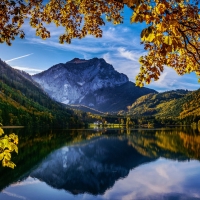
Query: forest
{"points": [[26, 104]]}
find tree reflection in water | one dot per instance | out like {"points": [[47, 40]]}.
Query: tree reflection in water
{"points": [[8, 144], [91, 161]]}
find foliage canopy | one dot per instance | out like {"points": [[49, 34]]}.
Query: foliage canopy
{"points": [[171, 36]]}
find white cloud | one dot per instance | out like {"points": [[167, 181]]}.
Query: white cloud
{"points": [[133, 55], [127, 54], [155, 180], [69, 47], [28, 181], [170, 80], [14, 195], [18, 57], [123, 65], [31, 71]]}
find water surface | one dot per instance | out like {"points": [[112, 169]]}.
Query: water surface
{"points": [[104, 164]]}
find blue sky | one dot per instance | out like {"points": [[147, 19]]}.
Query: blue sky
{"points": [[119, 46]]}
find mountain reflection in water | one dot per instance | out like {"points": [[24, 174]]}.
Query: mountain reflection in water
{"points": [[137, 164], [93, 167]]}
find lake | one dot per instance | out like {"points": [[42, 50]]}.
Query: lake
{"points": [[103, 164]]}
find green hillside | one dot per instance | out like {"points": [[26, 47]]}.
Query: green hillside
{"points": [[177, 104], [23, 102], [162, 104]]}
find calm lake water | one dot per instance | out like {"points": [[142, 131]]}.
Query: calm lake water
{"points": [[103, 164]]}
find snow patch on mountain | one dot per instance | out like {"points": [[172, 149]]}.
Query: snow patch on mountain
{"points": [[71, 81]]}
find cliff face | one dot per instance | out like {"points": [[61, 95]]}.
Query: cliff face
{"points": [[89, 82]]}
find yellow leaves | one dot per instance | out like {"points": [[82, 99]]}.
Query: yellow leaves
{"points": [[136, 17], [160, 9], [14, 138], [7, 155], [141, 61], [147, 34], [172, 40], [167, 40], [8, 163], [1, 131], [161, 27], [150, 37], [8, 144]]}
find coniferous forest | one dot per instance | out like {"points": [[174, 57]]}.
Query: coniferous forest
{"points": [[23, 102]]}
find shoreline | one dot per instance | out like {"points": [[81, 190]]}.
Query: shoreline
{"points": [[3, 127]]}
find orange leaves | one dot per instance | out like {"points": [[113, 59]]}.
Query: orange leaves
{"points": [[172, 39], [160, 8], [132, 3], [79, 18], [161, 27], [12, 15]]}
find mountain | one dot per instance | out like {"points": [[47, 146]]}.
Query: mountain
{"points": [[93, 83], [175, 103], [92, 167], [23, 102]]}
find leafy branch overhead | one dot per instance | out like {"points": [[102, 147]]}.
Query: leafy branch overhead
{"points": [[171, 36]]}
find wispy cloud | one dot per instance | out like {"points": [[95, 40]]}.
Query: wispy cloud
{"points": [[76, 48], [14, 195], [29, 70], [127, 54], [28, 181], [171, 178], [129, 65], [18, 57], [170, 80]]}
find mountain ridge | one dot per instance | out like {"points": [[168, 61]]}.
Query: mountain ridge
{"points": [[23, 102], [92, 83], [170, 104]]}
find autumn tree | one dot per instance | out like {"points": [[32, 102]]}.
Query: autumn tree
{"points": [[128, 121], [171, 36]]}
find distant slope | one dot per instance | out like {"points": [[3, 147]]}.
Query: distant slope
{"points": [[117, 98], [23, 102], [85, 109], [190, 105], [93, 83], [166, 104]]}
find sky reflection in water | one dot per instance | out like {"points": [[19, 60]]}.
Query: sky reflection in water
{"points": [[161, 179]]}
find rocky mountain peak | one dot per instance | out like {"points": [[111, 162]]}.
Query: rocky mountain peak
{"points": [[77, 61], [72, 81]]}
